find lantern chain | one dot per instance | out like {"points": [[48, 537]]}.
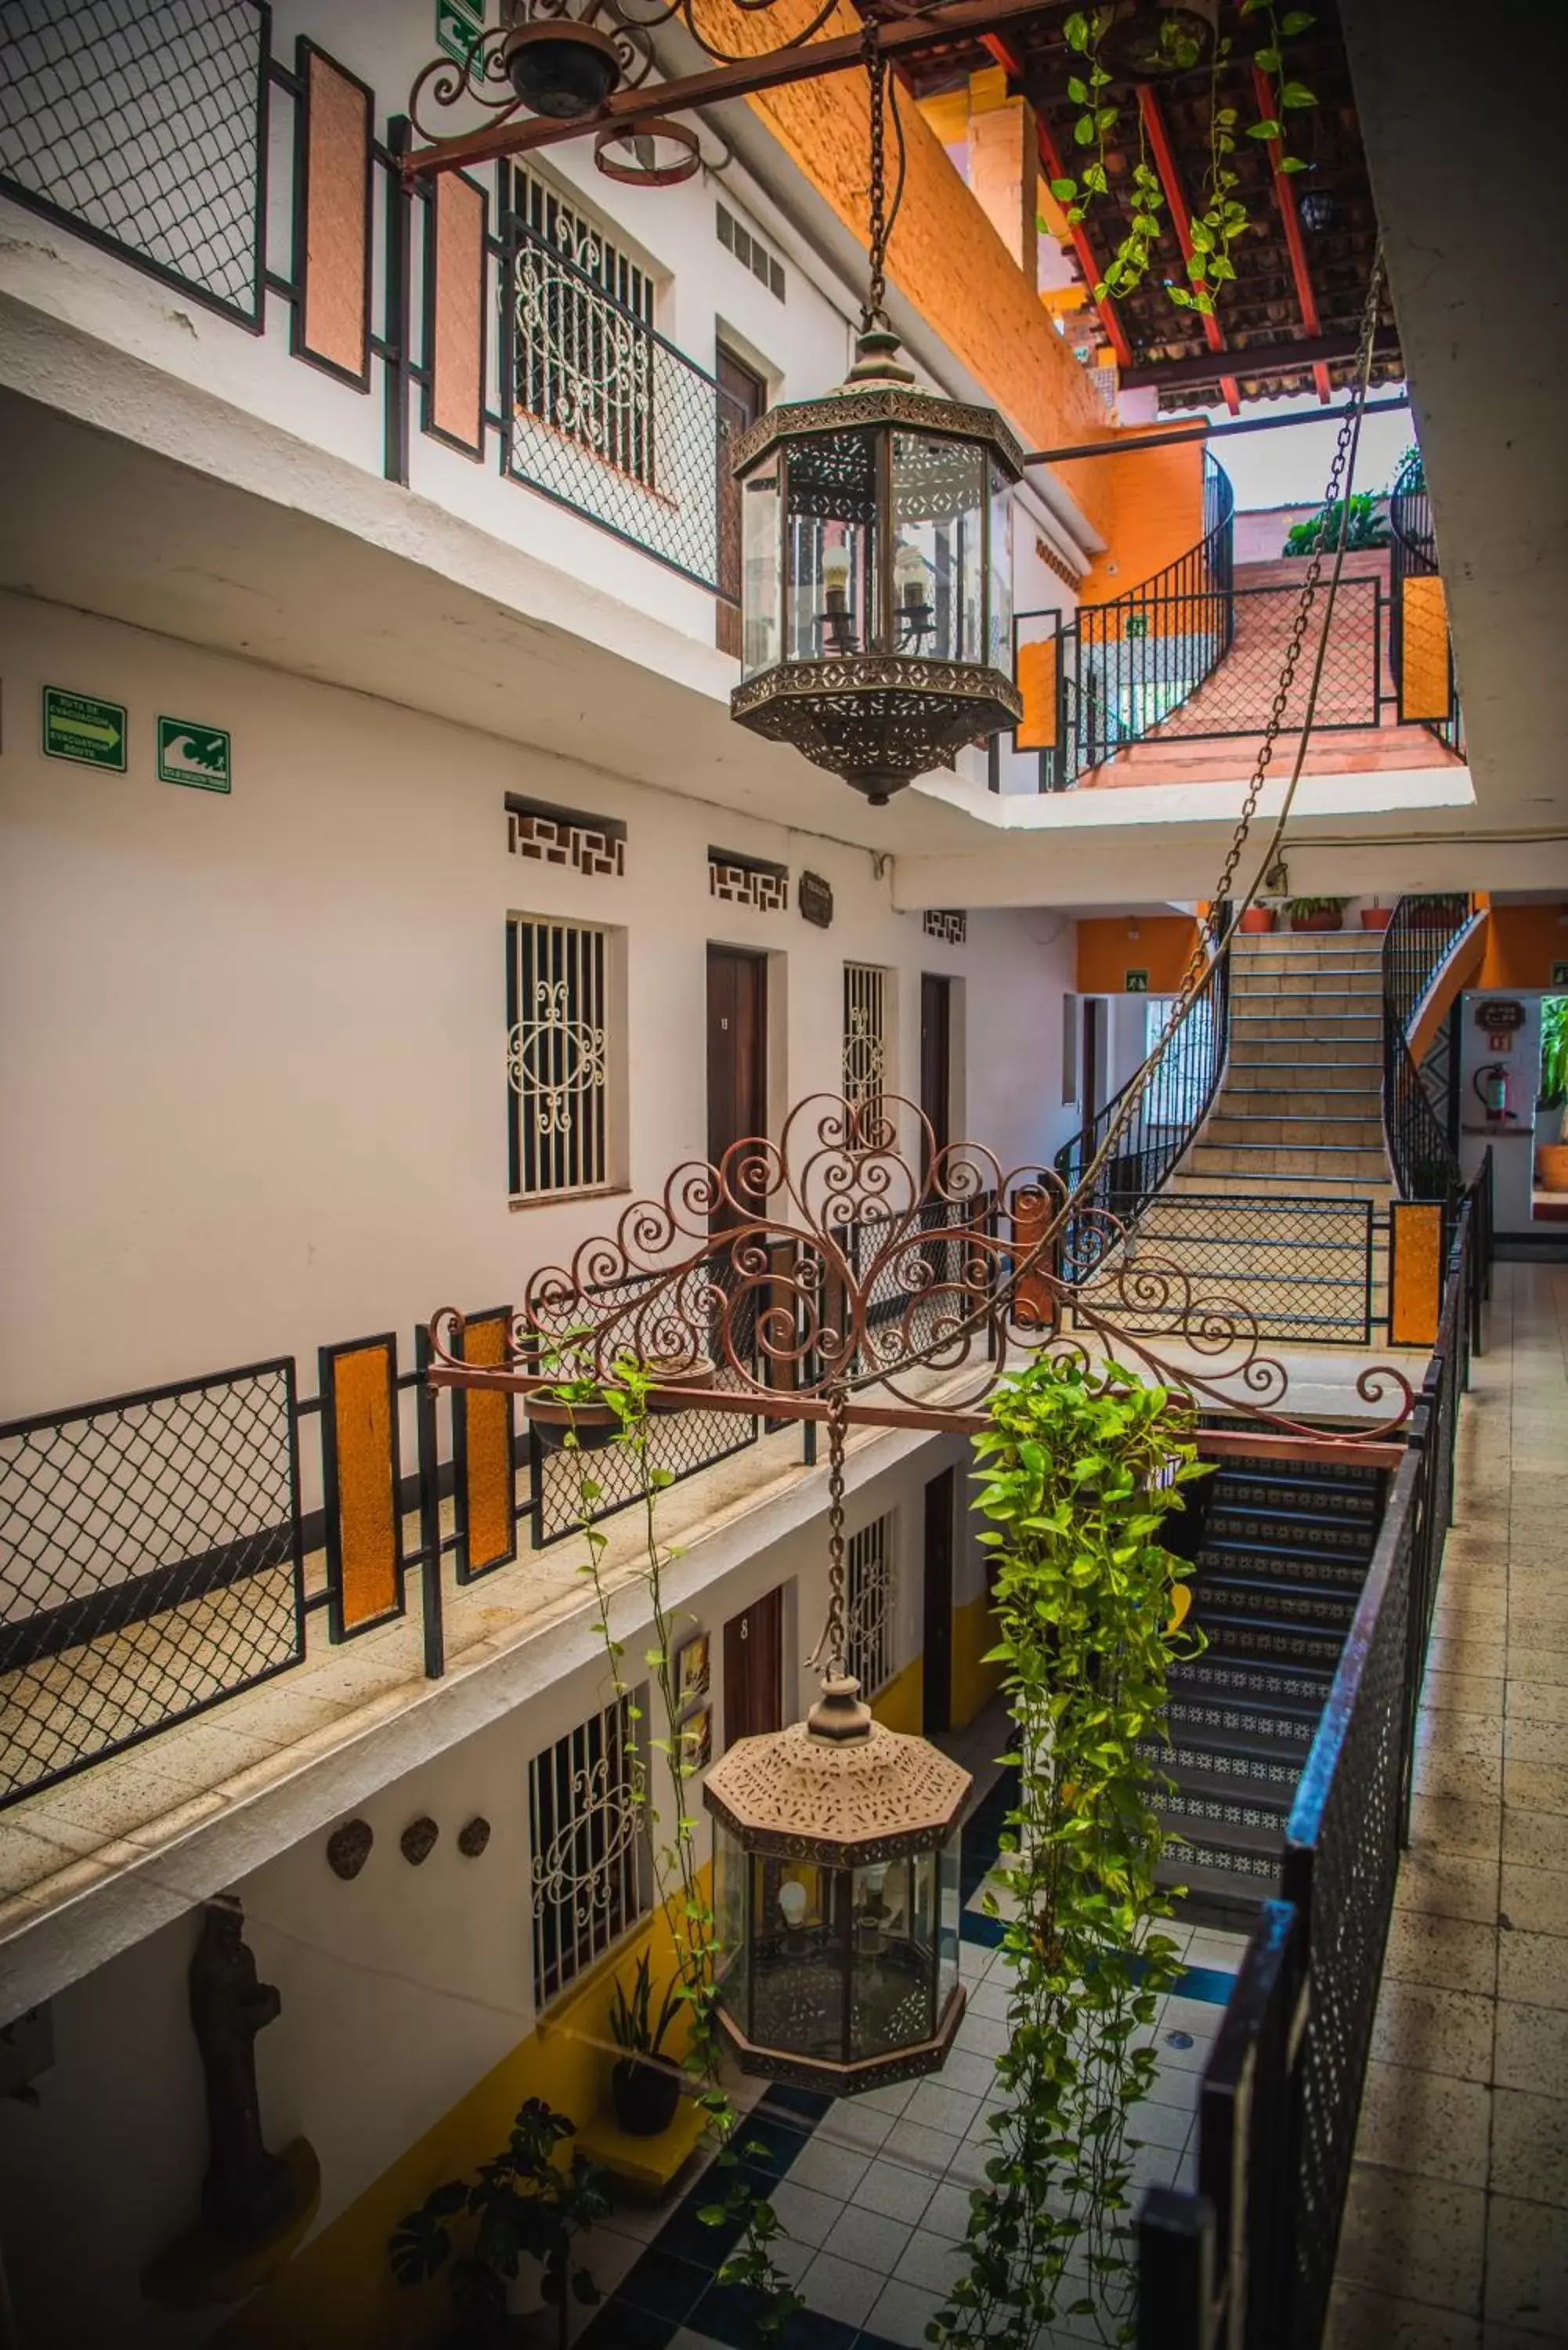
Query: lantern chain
{"points": [[873, 311], [828, 1654]]}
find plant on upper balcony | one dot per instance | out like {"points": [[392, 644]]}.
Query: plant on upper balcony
{"points": [[1553, 1093], [1316, 913], [1367, 525], [524, 2207], [1079, 1470]]}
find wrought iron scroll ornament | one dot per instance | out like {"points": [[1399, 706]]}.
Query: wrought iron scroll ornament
{"points": [[834, 1263]]}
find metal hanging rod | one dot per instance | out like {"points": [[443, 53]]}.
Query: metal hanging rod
{"points": [[1208, 432]]}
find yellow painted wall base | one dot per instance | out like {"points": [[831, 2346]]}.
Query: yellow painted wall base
{"points": [[902, 1705]]}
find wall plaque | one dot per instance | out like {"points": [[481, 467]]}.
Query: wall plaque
{"points": [[1490, 1013], [816, 899]]}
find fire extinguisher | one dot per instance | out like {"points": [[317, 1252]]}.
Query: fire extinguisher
{"points": [[1491, 1087]]}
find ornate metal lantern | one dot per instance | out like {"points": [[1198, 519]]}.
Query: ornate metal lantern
{"points": [[836, 1873], [877, 569]]}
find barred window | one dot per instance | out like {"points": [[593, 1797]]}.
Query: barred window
{"points": [[591, 1879], [583, 360], [868, 1606], [865, 1031], [557, 1057]]}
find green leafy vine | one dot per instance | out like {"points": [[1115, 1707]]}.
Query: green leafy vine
{"points": [[1079, 1469], [680, 1895]]}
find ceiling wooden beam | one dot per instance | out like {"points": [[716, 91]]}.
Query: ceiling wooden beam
{"points": [[1181, 220], [1269, 358], [1290, 222]]}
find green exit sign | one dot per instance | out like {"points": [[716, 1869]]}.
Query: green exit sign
{"points": [[81, 728], [1138, 983]]}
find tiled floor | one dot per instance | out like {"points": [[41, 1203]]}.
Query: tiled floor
{"points": [[1456, 2236], [873, 2192]]}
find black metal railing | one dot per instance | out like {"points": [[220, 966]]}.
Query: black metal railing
{"points": [[1302, 1268], [149, 1564], [1417, 942], [1420, 652], [1247, 2259], [155, 130], [1174, 1105]]}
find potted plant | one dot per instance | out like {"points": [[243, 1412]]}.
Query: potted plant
{"points": [[1367, 527], [1375, 917], [1255, 920], [524, 2207], [1316, 913], [646, 2094], [1552, 1157]]}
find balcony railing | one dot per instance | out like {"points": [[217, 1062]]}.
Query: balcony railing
{"points": [[159, 132], [1421, 653], [1420, 936]]}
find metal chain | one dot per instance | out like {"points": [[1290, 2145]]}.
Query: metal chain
{"points": [[829, 1652], [872, 312]]}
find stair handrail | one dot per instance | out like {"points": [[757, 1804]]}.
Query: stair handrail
{"points": [[1191, 1071], [1095, 716], [1424, 932]]}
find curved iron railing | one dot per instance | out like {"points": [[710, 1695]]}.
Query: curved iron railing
{"points": [[1419, 628], [1415, 945], [1175, 1104]]}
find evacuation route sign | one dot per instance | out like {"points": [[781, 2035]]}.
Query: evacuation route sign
{"points": [[193, 755], [77, 727], [1138, 983]]}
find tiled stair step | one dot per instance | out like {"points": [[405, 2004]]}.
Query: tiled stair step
{"points": [[1286, 1081], [1230, 1129], [1241, 1763], [1321, 1573], [1323, 1498], [1315, 1603], [1253, 1057], [1298, 1692], [1252, 1727], [1265, 1183], [1295, 1532], [1306, 1476], [1250, 973], [1232, 1636], [1209, 1804], [1226, 1883], [1307, 1002]]}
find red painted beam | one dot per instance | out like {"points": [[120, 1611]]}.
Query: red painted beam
{"points": [[1112, 325], [1285, 197], [1181, 221]]}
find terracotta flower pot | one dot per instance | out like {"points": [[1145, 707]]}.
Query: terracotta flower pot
{"points": [[1377, 918], [1328, 918], [1552, 1166], [1257, 919]]}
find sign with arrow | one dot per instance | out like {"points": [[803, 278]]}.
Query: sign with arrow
{"points": [[198, 755], [80, 727]]}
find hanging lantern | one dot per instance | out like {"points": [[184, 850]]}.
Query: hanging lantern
{"points": [[877, 562], [835, 1876]]}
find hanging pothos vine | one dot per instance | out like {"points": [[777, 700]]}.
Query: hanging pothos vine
{"points": [[1224, 218], [681, 1898], [1079, 1468]]}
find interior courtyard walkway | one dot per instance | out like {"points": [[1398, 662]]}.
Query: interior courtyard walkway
{"points": [[1456, 2235]]}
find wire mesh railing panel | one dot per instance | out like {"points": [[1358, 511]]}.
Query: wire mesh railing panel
{"points": [[1297, 1269], [149, 1565], [606, 416], [1416, 943], [140, 123], [1420, 651], [928, 1284]]}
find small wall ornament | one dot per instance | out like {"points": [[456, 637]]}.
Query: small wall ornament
{"points": [[473, 1839], [417, 1840], [348, 1848]]}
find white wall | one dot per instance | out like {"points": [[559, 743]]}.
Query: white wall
{"points": [[253, 1065], [399, 1989]]}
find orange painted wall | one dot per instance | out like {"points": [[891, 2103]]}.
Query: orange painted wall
{"points": [[1106, 953], [945, 257], [1523, 944], [1148, 505]]}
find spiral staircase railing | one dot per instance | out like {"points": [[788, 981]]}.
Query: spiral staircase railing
{"points": [[1416, 943], [1175, 1104]]}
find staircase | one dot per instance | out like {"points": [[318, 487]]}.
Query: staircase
{"points": [[1281, 1551], [1271, 1202]]}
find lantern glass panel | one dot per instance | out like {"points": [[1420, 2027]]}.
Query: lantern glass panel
{"points": [[950, 1914], [800, 1915], [938, 495], [1000, 619], [730, 1873], [831, 545], [760, 576], [895, 1955]]}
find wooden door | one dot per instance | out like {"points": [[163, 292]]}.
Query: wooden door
{"points": [[937, 1703], [737, 1048], [741, 397], [753, 1669]]}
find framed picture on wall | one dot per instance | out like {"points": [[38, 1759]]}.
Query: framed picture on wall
{"points": [[696, 1739], [692, 1671]]}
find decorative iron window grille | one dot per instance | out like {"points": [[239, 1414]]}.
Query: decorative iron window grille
{"points": [[141, 123], [557, 1057], [590, 1877], [604, 414], [865, 1031], [945, 923], [751, 251], [869, 1585]]}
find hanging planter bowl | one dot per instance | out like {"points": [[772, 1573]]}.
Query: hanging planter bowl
{"points": [[594, 1425], [1150, 40], [700, 1374]]}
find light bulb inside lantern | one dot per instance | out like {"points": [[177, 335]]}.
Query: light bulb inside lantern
{"points": [[836, 579], [912, 578]]}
